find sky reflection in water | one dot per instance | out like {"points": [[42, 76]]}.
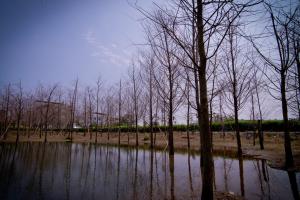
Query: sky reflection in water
{"points": [[83, 171]]}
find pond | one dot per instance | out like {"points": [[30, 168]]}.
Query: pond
{"points": [[88, 171]]}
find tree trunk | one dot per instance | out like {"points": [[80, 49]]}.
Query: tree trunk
{"points": [[253, 117], [237, 127], [151, 109], [297, 50], [207, 179], [289, 161], [6, 112], [171, 168], [221, 115], [29, 122], [18, 126], [188, 121], [197, 98], [234, 94], [135, 109], [188, 112], [120, 104], [260, 131], [46, 121], [241, 169], [90, 112], [170, 128], [85, 115]]}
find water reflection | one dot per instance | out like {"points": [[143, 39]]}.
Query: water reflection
{"points": [[241, 169], [87, 171]]}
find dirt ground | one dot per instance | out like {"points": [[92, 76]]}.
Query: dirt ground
{"points": [[273, 152]]}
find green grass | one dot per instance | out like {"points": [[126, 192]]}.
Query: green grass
{"points": [[245, 125]]}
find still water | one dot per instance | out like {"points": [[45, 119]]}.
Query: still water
{"points": [[87, 171]]}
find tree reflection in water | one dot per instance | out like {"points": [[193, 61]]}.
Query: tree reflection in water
{"points": [[89, 171]]}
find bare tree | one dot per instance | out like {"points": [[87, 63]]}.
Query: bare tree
{"points": [[128, 107], [166, 75], [198, 29], [221, 112], [119, 112], [85, 110], [295, 71], [148, 62], [48, 102], [258, 84], [90, 96], [73, 109], [280, 21], [6, 117], [109, 104], [134, 79], [59, 110], [99, 85], [19, 108], [29, 114], [188, 88], [237, 74]]}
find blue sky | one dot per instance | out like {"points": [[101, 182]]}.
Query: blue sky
{"points": [[49, 41], [56, 41]]}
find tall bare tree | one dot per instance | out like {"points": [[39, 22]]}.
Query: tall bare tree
{"points": [[19, 100], [198, 28], [99, 85], [119, 112], [280, 21], [136, 91], [7, 104], [147, 63], [48, 102], [237, 74], [166, 75], [90, 102], [73, 109]]}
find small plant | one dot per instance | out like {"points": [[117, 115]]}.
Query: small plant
{"points": [[68, 138], [146, 138]]}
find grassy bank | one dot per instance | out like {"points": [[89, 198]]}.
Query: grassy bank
{"points": [[244, 125], [274, 143]]}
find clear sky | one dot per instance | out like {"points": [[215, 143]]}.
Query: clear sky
{"points": [[56, 41], [49, 41]]}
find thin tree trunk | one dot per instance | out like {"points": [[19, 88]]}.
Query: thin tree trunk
{"points": [[151, 108], [85, 115], [253, 117], [90, 113], [97, 116], [6, 112], [221, 115], [120, 105], [297, 58], [29, 121], [260, 131], [18, 126], [188, 114], [237, 127], [289, 161], [46, 121], [235, 96], [135, 107]]}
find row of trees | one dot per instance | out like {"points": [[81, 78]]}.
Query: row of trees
{"points": [[210, 40]]}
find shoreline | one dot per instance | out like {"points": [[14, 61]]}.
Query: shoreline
{"points": [[273, 152]]}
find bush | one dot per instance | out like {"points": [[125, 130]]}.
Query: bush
{"points": [[245, 125]]}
